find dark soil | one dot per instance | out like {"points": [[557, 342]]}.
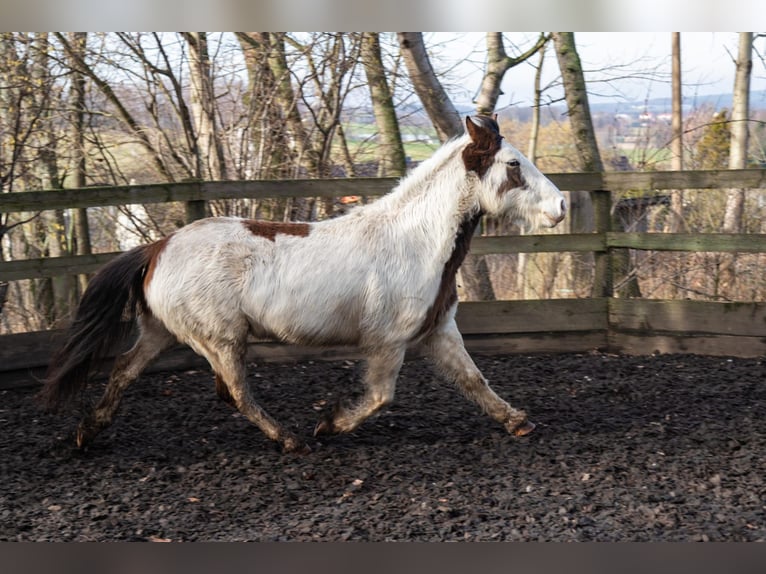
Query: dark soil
{"points": [[665, 448]]}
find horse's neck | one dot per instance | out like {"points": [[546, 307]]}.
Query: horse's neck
{"points": [[427, 209]]}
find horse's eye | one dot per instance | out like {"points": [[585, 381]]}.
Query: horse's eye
{"points": [[513, 163]]}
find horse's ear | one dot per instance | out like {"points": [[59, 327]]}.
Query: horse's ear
{"points": [[482, 128], [472, 128], [485, 142]]}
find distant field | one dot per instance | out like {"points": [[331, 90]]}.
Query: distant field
{"points": [[418, 151], [654, 158], [362, 145], [366, 151]]}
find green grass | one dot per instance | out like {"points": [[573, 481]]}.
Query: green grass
{"points": [[362, 152], [418, 151]]}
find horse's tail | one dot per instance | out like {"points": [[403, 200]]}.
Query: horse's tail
{"points": [[104, 318]]}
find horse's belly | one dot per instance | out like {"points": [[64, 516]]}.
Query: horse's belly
{"points": [[335, 301], [307, 322]]}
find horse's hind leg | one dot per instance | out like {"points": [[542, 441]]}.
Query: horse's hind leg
{"points": [[154, 339], [380, 384], [445, 347], [228, 362], [223, 392]]}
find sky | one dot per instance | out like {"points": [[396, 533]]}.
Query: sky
{"points": [[377, 16], [636, 64], [621, 39]]}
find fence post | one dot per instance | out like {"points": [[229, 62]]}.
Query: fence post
{"points": [[603, 285], [196, 208]]}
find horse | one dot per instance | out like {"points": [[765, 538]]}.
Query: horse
{"points": [[381, 278]]}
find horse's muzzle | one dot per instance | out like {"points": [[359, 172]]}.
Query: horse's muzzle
{"points": [[558, 216]]}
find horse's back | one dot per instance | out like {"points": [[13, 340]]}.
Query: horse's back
{"points": [[199, 276]]}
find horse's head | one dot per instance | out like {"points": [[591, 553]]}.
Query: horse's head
{"points": [[510, 186]]}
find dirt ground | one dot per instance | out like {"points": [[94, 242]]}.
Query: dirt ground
{"points": [[663, 448]]}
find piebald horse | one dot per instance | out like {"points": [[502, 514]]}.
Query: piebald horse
{"points": [[381, 277]]}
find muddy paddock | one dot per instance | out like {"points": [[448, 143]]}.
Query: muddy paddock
{"points": [[664, 448]]}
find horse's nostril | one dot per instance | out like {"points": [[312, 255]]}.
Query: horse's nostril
{"points": [[563, 206]]}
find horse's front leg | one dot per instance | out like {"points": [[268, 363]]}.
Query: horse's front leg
{"points": [[445, 347], [379, 381]]}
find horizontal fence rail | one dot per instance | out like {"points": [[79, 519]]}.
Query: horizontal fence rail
{"points": [[601, 322], [602, 184], [637, 327], [583, 242], [31, 201]]}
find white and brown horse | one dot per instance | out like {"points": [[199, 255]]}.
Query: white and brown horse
{"points": [[381, 277]]}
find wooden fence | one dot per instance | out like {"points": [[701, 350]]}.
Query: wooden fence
{"points": [[603, 322]]}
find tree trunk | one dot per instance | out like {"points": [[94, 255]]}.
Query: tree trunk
{"points": [[9, 139], [210, 164], [677, 141], [390, 148], [534, 130], [79, 106], [267, 134], [48, 177], [735, 198], [438, 106], [675, 222], [577, 102], [581, 218], [286, 99], [498, 63]]}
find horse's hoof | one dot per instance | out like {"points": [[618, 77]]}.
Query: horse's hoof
{"points": [[80, 438], [295, 446], [324, 426], [524, 428], [303, 450]]}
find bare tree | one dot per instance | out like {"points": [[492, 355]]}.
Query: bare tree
{"points": [[31, 111], [474, 273], [675, 221], [267, 142], [129, 118], [331, 60], [677, 142], [210, 163], [735, 198], [79, 110], [545, 265], [498, 63], [310, 76], [287, 99], [581, 218], [48, 99], [390, 148], [739, 130], [578, 108], [438, 106], [534, 130]]}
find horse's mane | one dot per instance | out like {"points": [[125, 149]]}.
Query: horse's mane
{"points": [[415, 182]]}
